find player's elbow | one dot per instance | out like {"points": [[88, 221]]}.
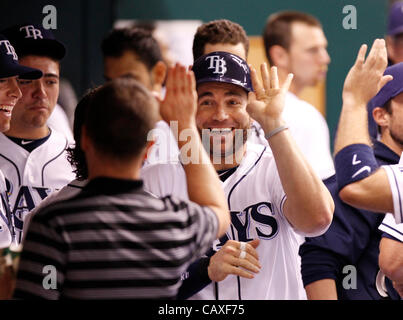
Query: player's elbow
{"points": [[318, 220], [319, 225], [350, 194], [322, 216], [391, 259]]}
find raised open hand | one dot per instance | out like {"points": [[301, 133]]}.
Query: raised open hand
{"points": [[266, 103], [180, 102], [365, 77]]}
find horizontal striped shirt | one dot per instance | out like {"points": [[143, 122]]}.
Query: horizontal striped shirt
{"points": [[113, 241]]}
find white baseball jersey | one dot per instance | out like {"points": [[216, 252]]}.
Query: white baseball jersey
{"points": [[255, 199], [311, 133], [390, 226], [32, 176], [58, 121], [395, 177], [165, 147], [6, 229]]}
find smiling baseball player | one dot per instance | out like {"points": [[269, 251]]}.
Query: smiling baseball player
{"points": [[271, 195]]}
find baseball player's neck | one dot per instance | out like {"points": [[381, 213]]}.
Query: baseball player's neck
{"points": [[230, 161], [393, 143], [114, 169], [29, 133]]}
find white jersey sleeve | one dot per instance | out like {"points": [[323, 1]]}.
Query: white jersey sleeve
{"points": [[392, 228], [163, 179], [395, 176], [58, 121]]}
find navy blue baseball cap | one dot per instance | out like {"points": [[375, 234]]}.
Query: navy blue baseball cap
{"points": [[395, 19], [9, 66], [388, 91], [222, 66], [34, 39]]}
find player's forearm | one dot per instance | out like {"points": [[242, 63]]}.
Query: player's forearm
{"points": [[353, 126], [309, 206], [372, 193], [204, 186]]}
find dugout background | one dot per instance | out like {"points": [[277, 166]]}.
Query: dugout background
{"points": [[81, 25]]}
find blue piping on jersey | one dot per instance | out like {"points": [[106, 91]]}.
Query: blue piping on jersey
{"points": [[229, 207]]}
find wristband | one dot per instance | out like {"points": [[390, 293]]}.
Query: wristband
{"points": [[353, 163], [275, 131]]}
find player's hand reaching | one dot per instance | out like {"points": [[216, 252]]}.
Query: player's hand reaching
{"points": [[365, 77], [229, 260], [266, 103], [180, 102]]}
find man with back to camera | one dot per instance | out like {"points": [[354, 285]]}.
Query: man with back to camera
{"points": [[260, 209], [153, 239]]}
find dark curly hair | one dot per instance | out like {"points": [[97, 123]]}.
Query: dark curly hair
{"points": [[75, 155]]}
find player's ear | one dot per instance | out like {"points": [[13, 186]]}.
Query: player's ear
{"points": [[381, 117], [158, 74], [279, 56]]}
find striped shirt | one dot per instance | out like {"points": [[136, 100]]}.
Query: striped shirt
{"points": [[113, 241]]}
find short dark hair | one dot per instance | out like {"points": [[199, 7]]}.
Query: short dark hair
{"points": [[75, 155], [120, 115], [277, 30], [219, 31], [137, 40]]}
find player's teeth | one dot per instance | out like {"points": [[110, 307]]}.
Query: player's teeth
{"points": [[220, 130], [6, 108]]}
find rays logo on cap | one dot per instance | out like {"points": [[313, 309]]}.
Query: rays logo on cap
{"points": [[32, 32], [218, 64], [10, 48]]}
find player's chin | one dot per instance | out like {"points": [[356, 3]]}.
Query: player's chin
{"points": [[39, 120], [4, 124]]}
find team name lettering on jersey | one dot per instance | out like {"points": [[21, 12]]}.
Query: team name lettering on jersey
{"points": [[6, 215], [26, 200], [254, 221]]}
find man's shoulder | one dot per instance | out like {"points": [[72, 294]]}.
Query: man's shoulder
{"points": [[300, 109]]}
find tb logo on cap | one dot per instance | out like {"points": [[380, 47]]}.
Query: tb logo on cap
{"points": [[31, 32], [10, 48], [218, 64]]}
